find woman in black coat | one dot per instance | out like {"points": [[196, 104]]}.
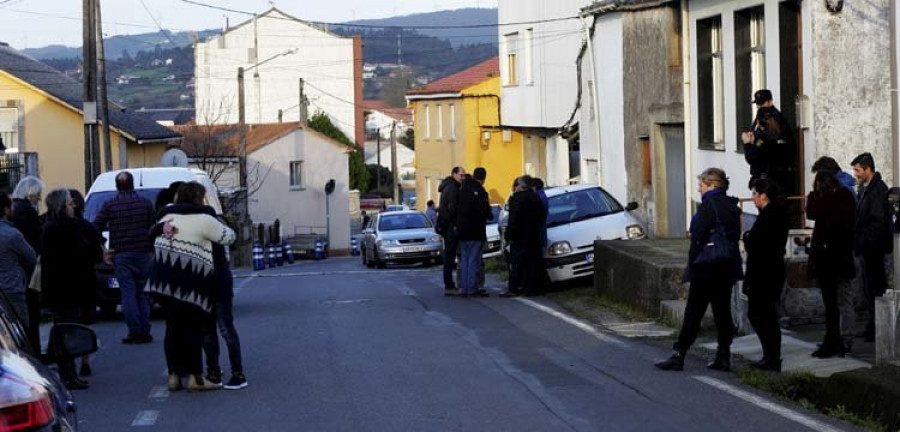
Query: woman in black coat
{"points": [[764, 280], [711, 284], [26, 200], [833, 208], [67, 270]]}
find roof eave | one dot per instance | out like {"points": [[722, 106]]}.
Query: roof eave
{"points": [[433, 96], [620, 6]]}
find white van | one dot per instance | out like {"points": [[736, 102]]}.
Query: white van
{"points": [[148, 183]]}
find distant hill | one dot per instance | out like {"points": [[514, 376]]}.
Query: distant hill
{"points": [[457, 37], [116, 46]]}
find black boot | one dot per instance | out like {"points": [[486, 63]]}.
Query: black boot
{"points": [[722, 361], [675, 362], [767, 365]]}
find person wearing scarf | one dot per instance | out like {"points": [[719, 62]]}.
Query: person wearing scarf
{"points": [[183, 278]]}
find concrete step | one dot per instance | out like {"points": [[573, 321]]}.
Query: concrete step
{"points": [[671, 312]]}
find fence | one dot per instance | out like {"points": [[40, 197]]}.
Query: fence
{"points": [[13, 167]]}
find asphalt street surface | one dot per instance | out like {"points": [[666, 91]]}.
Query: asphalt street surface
{"points": [[333, 346]]}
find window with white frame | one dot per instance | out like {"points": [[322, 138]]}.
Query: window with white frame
{"points": [[511, 42], [9, 128], [296, 174], [452, 122], [427, 121], [750, 63], [529, 56], [710, 84], [440, 122]]}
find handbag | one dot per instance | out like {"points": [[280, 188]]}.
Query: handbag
{"points": [[720, 249], [35, 283]]}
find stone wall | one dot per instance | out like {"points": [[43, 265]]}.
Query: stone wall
{"points": [[640, 273], [850, 70]]}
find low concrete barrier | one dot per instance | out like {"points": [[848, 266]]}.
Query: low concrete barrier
{"points": [[887, 328], [641, 273]]}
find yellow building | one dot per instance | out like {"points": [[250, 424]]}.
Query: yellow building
{"points": [[41, 113], [457, 123]]}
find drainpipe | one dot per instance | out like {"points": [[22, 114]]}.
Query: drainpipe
{"points": [[590, 47], [895, 117], [686, 98]]}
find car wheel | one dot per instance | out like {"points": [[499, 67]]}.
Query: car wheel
{"points": [[363, 255], [369, 263], [378, 263]]}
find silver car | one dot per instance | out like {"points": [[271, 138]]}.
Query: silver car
{"points": [[400, 237]]}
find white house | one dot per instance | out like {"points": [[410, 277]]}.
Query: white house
{"points": [[537, 70], [288, 166], [405, 158], [276, 51], [380, 117]]}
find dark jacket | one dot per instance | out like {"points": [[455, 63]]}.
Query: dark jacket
{"points": [[527, 217], [831, 251], [765, 246], [67, 264], [447, 209], [127, 217], [26, 220], [771, 151], [473, 211], [703, 225], [224, 279], [872, 232]]}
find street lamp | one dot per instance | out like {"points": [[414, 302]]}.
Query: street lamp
{"points": [[242, 124]]}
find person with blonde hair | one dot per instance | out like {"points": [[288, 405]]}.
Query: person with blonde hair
{"points": [[714, 265], [26, 201]]}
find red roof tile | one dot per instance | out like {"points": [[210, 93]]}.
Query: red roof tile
{"points": [[223, 140], [461, 80]]}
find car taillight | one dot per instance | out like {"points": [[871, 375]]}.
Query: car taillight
{"points": [[23, 406]]}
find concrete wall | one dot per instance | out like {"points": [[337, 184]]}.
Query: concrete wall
{"points": [[297, 208], [653, 94], [850, 77], [324, 60]]}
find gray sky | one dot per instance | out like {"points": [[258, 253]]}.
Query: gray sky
{"points": [[25, 24]]}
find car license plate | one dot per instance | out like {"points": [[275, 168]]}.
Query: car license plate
{"points": [[415, 249], [589, 258], [112, 283]]}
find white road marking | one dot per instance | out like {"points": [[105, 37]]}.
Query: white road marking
{"points": [[588, 328], [768, 406], [340, 272], [243, 284], [159, 392], [145, 418]]}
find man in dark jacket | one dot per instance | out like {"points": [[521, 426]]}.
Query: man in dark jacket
{"points": [[527, 218], [769, 144], [872, 238], [473, 212], [446, 225]]}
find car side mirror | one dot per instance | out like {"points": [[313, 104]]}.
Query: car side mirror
{"points": [[68, 341], [632, 206]]}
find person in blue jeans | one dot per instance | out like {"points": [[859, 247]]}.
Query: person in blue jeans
{"points": [[473, 213], [128, 217]]}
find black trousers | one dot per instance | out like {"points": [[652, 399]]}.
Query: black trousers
{"points": [[526, 274], [33, 326], [763, 314], [184, 337], [829, 290], [66, 314], [222, 317], [875, 282], [451, 247], [702, 294]]}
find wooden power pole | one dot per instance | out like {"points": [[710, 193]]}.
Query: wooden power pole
{"points": [[104, 102], [396, 187], [89, 107]]}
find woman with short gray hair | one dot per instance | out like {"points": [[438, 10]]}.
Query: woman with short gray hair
{"points": [[26, 202]]}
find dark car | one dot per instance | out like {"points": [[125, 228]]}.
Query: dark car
{"points": [[32, 397]]}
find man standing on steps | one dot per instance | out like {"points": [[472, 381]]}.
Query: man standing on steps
{"points": [[446, 225], [872, 238], [128, 217]]}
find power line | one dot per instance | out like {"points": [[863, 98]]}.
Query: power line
{"points": [[161, 29], [418, 27]]}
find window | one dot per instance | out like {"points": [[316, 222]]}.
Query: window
{"points": [[427, 121], [9, 128], [529, 56], [440, 122], [750, 63], [452, 122], [710, 85], [511, 41], [297, 174]]}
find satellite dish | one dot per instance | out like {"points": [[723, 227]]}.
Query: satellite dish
{"points": [[174, 157], [329, 187]]}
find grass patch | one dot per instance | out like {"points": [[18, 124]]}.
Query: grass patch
{"points": [[497, 265], [866, 423], [584, 299]]}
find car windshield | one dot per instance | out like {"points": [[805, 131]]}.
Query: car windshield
{"points": [[403, 221], [495, 215], [95, 202], [580, 205]]}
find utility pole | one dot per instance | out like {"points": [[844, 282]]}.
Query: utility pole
{"points": [[242, 150], [303, 106], [895, 117], [378, 158], [89, 107], [104, 102], [396, 187]]}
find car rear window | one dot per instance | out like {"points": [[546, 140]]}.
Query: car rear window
{"points": [[580, 205], [95, 202], [403, 221]]}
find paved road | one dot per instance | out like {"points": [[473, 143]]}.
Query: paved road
{"points": [[334, 346]]}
